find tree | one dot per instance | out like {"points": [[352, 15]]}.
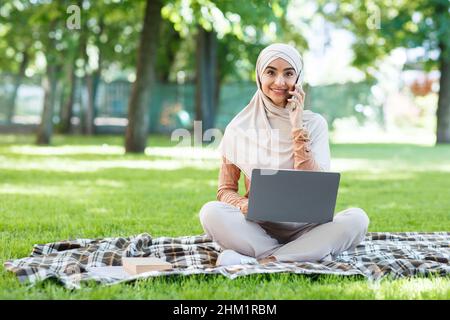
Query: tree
{"points": [[16, 50], [49, 23], [206, 64], [108, 38], [382, 25], [48, 36], [66, 111], [137, 128], [167, 51]]}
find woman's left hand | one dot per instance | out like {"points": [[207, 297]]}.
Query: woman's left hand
{"points": [[297, 103]]}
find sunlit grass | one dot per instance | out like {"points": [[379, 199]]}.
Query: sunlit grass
{"points": [[68, 165], [85, 187]]}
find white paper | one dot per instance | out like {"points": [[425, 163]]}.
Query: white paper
{"points": [[117, 272]]}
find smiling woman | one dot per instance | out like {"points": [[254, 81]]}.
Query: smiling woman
{"points": [[274, 132]]}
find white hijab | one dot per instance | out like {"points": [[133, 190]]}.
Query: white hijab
{"points": [[260, 135]]}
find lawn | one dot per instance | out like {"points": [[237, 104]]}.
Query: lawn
{"points": [[86, 187]]}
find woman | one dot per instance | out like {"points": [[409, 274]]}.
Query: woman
{"points": [[273, 131]]}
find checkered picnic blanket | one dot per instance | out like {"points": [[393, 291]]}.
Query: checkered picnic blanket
{"points": [[381, 254]]}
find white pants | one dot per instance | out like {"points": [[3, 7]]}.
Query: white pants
{"points": [[306, 242]]}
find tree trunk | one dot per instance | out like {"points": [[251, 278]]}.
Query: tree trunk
{"points": [[45, 128], [87, 105], [11, 104], [171, 43], [96, 77], [206, 80], [88, 127], [443, 109], [137, 128], [218, 86], [67, 108], [92, 81]]}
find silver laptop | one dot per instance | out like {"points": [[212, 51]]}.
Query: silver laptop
{"points": [[292, 195]]}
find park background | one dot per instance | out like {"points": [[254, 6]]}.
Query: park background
{"points": [[91, 93]]}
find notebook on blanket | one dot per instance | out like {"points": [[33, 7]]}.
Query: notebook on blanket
{"points": [[131, 266]]}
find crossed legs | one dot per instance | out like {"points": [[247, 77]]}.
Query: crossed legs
{"points": [[226, 225]]}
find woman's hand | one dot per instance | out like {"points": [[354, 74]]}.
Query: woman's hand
{"points": [[244, 207], [295, 106]]}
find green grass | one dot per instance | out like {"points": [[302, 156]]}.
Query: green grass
{"points": [[87, 187]]}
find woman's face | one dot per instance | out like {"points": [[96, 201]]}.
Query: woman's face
{"points": [[277, 79]]}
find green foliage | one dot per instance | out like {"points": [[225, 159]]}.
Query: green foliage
{"points": [[112, 28], [243, 28], [16, 38], [106, 26], [408, 24]]}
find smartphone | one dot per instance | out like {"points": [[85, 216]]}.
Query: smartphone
{"points": [[290, 105]]}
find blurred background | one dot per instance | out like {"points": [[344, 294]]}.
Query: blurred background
{"points": [[378, 71]]}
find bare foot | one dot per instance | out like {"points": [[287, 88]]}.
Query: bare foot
{"points": [[267, 260]]}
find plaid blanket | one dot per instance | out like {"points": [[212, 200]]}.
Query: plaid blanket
{"points": [[381, 254]]}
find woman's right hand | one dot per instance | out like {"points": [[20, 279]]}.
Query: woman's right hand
{"points": [[244, 207], [296, 106]]}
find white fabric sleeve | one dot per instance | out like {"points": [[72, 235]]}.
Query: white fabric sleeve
{"points": [[320, 146]]}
